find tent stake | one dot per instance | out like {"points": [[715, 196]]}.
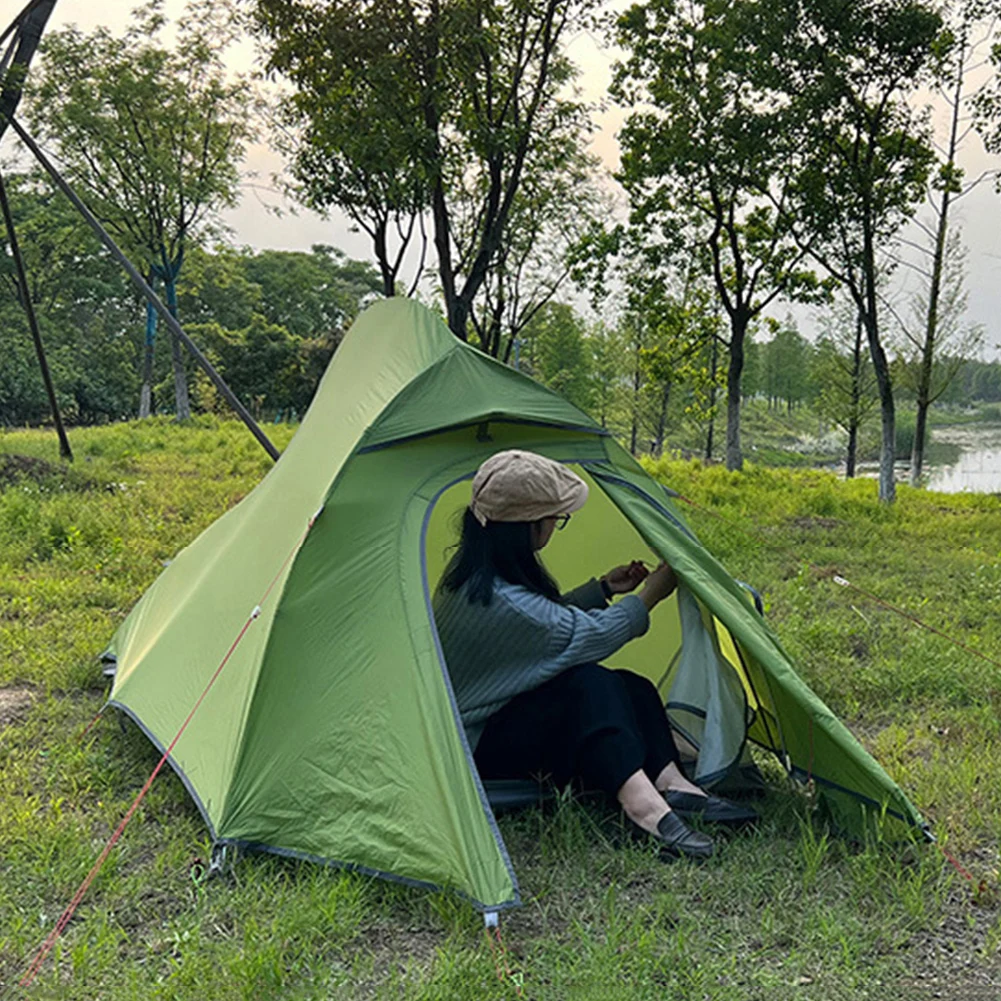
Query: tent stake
{"points": [[29, 308]]}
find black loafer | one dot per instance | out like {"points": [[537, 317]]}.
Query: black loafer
{"points": [[712, 809], [674, 837]]}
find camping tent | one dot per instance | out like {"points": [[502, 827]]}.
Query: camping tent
{"points": [[331, 732]]}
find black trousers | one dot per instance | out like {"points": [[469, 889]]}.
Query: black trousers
{"points": [[589, 723]]}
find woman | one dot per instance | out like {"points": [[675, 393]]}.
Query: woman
{"points": [[523, 659]]}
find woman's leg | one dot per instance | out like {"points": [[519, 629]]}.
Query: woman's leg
{"points": [[662, 762], [580, 724], [643, 804]]}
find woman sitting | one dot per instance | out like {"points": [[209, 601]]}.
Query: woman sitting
{"points": [[524, 661]]}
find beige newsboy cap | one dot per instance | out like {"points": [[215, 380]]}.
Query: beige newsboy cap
{"points": [[522, 486]]}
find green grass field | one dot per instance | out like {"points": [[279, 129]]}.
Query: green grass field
{"points": [[790, 911]]}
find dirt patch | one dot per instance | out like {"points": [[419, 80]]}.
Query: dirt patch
{"points": [[14, 704], [393, 950], [15, 469], [811, 523]]}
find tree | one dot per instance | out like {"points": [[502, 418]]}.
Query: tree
{"points": [[559, 353], [786, 364], [706, 161], [844, 382], [847, 73], [935, 340], [153, 135], [557, 204], [681, 352], [292, 307], [404, 106], [82, 301], [958, 51], [310, 294], [606, 362]]}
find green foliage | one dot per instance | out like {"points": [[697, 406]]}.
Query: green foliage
{"points": [[154, 135], [558, 353], [461, 110], [786, 365], [704, 166], [287, 312], [83, 304], [865, 149], [904, 430], [230, 296]]}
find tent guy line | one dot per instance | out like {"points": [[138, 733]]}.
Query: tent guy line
{"points": [[46, 947]]}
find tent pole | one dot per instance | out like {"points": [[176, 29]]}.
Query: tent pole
{"points": [[29, 308], [143, 287]]}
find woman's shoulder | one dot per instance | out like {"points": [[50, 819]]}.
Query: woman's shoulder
{"points": [[524, 601], [507, 601]]}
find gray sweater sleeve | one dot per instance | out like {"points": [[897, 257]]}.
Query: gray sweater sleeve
{"points": [[574, 636]]}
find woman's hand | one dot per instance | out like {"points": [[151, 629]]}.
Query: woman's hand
{"points": [[659, 584], [627, 578]]}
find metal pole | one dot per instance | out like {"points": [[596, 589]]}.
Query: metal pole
{"points": [[140, 283], [22, 283], [27, 28]]}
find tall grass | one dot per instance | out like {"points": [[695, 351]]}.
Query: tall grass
{"points": [[790, 910]]}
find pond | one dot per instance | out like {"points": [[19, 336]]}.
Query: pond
{"points": [[965, 458]]}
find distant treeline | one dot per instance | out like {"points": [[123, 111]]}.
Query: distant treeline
{"points": [[268, 320]]}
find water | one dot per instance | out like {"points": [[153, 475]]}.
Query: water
{"points": [[977, 468]]}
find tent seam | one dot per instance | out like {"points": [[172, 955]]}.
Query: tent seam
{"points": [[176, 768], [456, 715]]}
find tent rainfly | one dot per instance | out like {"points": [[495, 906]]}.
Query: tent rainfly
{"points": [[332, 732]]}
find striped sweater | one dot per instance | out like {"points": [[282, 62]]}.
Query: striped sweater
{"points": [[522, 639]]}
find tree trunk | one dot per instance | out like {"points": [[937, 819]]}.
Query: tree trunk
{"points": [[852, 450], [637, 383], [856, 400], [661, 430], [887, 483], [935, 286], [867, 302], [738, 331], [382, 256], [182, 404], [146, 393], [713, 358]]}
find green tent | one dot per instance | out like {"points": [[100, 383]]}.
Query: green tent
{"points": [[331, 732]]}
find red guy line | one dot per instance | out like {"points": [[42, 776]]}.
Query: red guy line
{"points": [[50, 941]]}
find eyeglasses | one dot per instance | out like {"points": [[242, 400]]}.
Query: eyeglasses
{"points": [[561, 521]]}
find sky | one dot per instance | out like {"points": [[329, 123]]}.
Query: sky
{"points": [[254, 222]]}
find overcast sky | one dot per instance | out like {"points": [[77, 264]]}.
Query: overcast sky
{"points": [[978, 214]]}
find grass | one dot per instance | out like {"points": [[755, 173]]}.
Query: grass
{"points": [[788, 911]]}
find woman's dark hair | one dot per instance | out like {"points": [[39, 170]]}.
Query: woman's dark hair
{"points": [[498, 549]]}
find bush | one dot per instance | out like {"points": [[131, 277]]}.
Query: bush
{"points": [[904, 433]]}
